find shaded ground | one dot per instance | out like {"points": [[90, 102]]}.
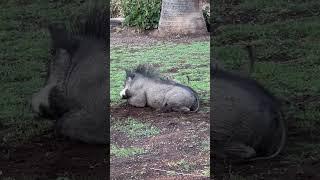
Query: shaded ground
{"points": [[181, 138], [293, 163], [47, 157]]}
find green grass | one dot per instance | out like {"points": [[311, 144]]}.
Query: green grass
{"points": [[24, 51], [286, 37], [205, 146], [189, 59], [126, 152], [206, 172], [135, 129]]}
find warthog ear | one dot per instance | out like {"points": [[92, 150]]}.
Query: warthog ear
{"points": [[61, 38]]}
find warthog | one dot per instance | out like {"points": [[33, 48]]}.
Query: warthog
{"points": [[75, 93], [144, 87], [247, 122]]}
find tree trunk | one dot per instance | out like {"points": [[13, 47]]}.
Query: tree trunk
{"points": [[181, 17]]}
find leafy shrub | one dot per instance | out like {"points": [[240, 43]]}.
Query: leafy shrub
{"points": [[144, 14], [116, 8]]}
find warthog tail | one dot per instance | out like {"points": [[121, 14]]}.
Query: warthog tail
{"points": [[196, 104], [252, 58], [282, 141]]}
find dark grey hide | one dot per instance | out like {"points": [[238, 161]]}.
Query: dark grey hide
{"points": [[144, 87], [246, 120], [75, 92]]}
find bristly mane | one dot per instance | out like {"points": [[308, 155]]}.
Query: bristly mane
{"points": [[148, 71], [94, 25]]}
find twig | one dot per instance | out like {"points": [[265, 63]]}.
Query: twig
{"points": [[183, 174]]}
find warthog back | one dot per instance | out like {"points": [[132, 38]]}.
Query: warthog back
{"points": [[246, 118]]}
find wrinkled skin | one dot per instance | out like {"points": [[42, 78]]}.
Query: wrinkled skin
{"points": [[143, 91], [246, 122], [75, 93]]}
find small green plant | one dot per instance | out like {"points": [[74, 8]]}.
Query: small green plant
{"points": [[142, 14], [184, 165], [116, 8], [206, 172], [205, 146], [126, 152]]}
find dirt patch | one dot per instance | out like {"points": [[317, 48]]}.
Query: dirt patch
{"points": [[129, 37], [176, 153], [47, 157]]}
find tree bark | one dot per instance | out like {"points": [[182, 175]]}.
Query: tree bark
{"points": [[181, 17]]}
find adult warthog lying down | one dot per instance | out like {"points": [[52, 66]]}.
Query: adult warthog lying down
{"points": [[144, 87], [75, 92], [247, 122]]}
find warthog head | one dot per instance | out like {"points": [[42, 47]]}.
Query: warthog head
{"points": [[144, 87], [75, 92]]}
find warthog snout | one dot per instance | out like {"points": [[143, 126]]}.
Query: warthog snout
{"points": [[40, 102], [124, 94]]}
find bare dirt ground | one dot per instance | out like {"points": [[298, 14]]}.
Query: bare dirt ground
{"points": [[49, 157], [129, 37], [180, 138]]}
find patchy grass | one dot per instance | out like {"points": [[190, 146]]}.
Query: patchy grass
{"points": [[206, 172], [182, 165], [126, 152], [205, 146], [179, 148], [173, 60], [135, 129]]}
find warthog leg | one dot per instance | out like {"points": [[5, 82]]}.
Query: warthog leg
{"points": [[164, 109], [167, 108], [83, 126], [138, 100], [239, 150], [181, 109]]}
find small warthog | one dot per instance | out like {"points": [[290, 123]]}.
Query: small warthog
{"points": [[246, 120], [144, 87], [75, 92]]}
